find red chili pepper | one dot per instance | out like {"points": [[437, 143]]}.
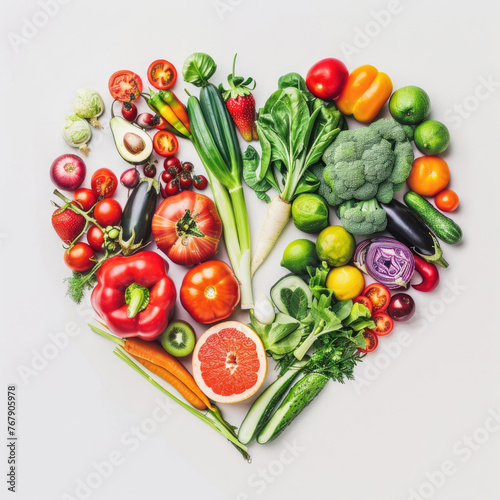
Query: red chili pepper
{"points": [[429, 273], [134, 296]]}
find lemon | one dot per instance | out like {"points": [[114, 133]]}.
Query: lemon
{"points": [[410, 105], [298, 255], [346, 282], [335, 245], [431, 137]]}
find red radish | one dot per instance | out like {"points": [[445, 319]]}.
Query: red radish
{"points": [[241, 104], [129, 111], [145, 121], [130, 178], [68, 172]]}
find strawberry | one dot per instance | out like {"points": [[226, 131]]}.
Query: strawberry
{"points": [[68, 224], [241, 104]]}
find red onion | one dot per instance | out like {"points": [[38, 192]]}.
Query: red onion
{"points": [[360, 255], [390, 262], [130, 178], [68, 172]]}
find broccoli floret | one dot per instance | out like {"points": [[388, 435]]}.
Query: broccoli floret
{"points": [[362, 217], [367, 162], [324, 174]]}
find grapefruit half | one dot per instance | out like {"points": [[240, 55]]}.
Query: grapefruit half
{"points": [[229, 362]]}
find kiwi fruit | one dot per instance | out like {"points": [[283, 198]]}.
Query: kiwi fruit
{"points": [[178, 339]]}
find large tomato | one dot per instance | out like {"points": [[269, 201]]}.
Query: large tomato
{"points": [[210, 292], [327, 78], [187, 228], [429, 175]]}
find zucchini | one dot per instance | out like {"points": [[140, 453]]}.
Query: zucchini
{"points": [[138, 215], [288, 282], [445, 229], [406, 227], [263, 407], [300, 396]]}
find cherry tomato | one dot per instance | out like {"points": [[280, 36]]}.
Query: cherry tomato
{"points": [[384, 324], [187, 166], [79, 258], [402, 307], [379, 296], [85, 198], [162, 74], [185, 180], [108, 212], [165, 143], [371, 341], [95, 237], [149, 170], [365, 301], [104, 183], [446, 200], [129, 111], [210, 292], [429, 175], [172, 188], [172, 161], [200, 182], [124, 86], [166, 176], [327, 78]]}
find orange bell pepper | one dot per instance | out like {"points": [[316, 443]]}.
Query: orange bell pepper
{"points": [[364, 94]]}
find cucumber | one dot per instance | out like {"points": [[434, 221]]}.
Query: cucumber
{"points": [[289, 282], [300, 396], [445, 229], [263, 407]]}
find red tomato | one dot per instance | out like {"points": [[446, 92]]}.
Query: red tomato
{"points": [[429, 175], [95, 237], [79, 258], [187, 228], [85, 198], [162, 74], [327, 78], [125, 86], [371, 341], [108, 212], [384, 324], [365, 301], [165, 143], [200, 182], [172, 188], [104, 183], [210, 292], [378, 295], [447, 200]]}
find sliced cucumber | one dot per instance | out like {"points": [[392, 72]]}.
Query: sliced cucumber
{"points": [[300, 395], [282, 290], [263, 407]]}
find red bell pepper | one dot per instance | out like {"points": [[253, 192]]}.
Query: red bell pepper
{"points": [[134, 295]]}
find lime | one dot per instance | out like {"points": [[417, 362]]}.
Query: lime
{"points": [[298, 255], [432, 137], [335, 245], [346, 282], [410, 105], [310, 213]]}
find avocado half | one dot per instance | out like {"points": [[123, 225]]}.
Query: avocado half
{"points": [[133, 143]]}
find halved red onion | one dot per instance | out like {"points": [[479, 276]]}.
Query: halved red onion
{"points": [[390, 262], [360, 255]]}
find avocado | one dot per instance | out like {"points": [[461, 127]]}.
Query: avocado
{"points": [[133, 143]]}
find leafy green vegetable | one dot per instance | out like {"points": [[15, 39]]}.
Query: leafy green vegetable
{"points": [[77, 132], [298, 304], [359, 318], [89, 105], [317, 283], [198, 68]]}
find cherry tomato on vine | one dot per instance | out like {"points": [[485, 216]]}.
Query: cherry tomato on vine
{"points": [[165, 143], [172, 188], [125, 85], [149, 170], [162, 74], [108, 212], [85, 198], [447, 200], [95, 237], [187, 166], [185, 180], [172, 161], [79, 258], [200, 182], [104, 183], [166, 176]]}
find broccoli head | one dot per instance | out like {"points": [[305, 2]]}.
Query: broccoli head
{"points": [[362, 217], [367, 162]]}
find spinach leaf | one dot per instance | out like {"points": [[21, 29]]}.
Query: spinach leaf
{"points": [[298, 304], [362, 323], [283, 325], [343, 309], [309, 183], [250, 165], [286, 297], [288, 344]]}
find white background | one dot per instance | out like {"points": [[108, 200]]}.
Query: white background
{"points": [[411, 409]]}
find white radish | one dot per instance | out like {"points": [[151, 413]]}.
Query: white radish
{"points": [[278, 214], [264, 310]]}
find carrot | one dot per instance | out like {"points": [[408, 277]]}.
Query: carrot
{"points": [[155, 354], [278, 214], [189, 395]]}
